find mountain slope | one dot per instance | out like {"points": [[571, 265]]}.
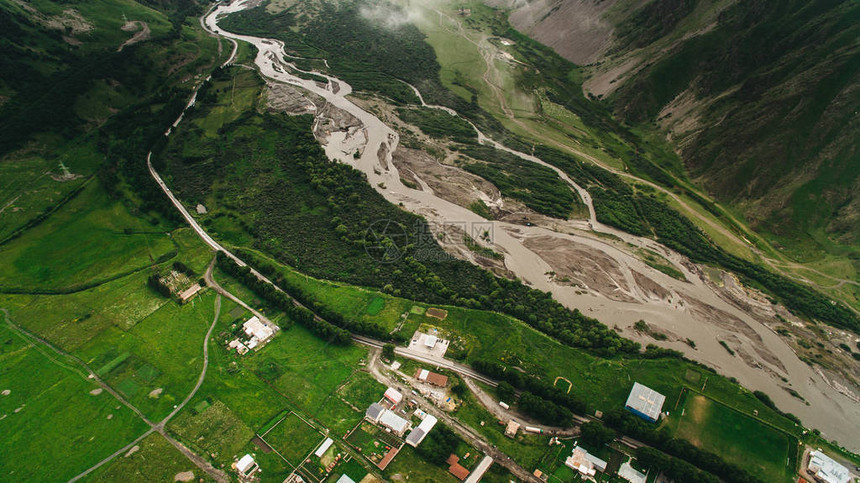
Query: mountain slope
{"points": [[85, 82], [759, 98]]}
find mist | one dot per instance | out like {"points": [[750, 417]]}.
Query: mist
{"points": [[390, 18]]}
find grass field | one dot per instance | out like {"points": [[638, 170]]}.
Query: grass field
{"points": [[30, 189], [293, 438], [352, 468], [50, 412], [408, 462], [216, 430], [165, 353], [306, 370], [375, 306], [155, 460], [354, 302], [739, 438], [90, 239]]}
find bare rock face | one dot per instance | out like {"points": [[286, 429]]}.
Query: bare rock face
{"points": [[575, 29]]}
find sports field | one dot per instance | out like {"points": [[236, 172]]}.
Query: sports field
{"points": [[739, 438]]}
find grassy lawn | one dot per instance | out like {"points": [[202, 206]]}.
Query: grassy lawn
{"points": [[51, 416], [737, 437], [351, 468], [90, 239], [155, 460], [419, 470], [305, 369], [354, 302]]}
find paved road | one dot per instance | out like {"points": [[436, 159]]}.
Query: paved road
{"points": [[407, 353], [505, 414]]}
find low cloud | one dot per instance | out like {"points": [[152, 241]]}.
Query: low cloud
{"points": [[389, 17]]}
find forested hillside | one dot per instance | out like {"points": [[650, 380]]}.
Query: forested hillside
{"points": [[86, 88], [777, 132]]}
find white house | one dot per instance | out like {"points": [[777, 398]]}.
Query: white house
{"points": [[418, 434], [825, 469]]}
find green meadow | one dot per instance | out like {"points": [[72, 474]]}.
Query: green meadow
{"points": [[154, 460], [88, 241], [293, 439], [52, 410]]}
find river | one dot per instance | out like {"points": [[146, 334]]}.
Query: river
{"points": [[768, 358]]}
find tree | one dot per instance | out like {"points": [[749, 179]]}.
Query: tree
{"points": [[460, 390], [388, 351], [505, 391], [439, 443], [594, 433]]}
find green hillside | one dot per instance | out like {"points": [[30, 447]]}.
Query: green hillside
{"points": [[773, 128]]}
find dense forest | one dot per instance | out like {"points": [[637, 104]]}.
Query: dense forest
{"points": [[314, 214], [538, 187]]}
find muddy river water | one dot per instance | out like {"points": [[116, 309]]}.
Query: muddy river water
{"points": [[613, 285]]}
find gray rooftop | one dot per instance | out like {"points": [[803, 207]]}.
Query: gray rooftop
{"points": [[415, 437], [374, 411], [646, 401]]}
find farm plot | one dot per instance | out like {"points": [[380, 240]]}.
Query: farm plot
{"points": [[373, 443], [155, 363], [213, 428], [292, 438]]}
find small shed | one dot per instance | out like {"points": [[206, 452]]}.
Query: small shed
{"points": [[246, 465], [323, 447]]}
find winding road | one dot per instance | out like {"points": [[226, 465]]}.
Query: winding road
{"points": [[89, 374]]}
